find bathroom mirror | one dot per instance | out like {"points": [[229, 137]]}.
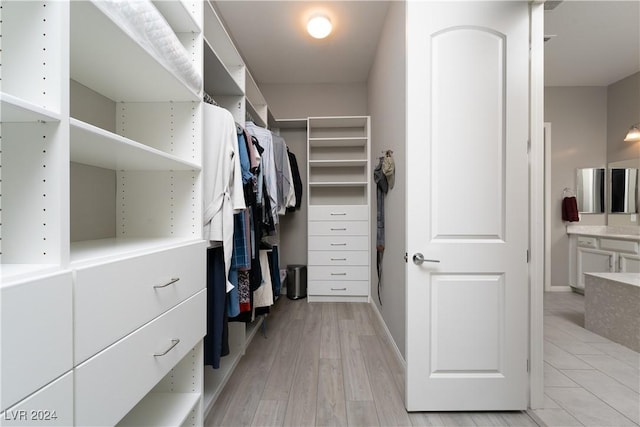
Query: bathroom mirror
{"points": [[590, 190], [623, 190]]}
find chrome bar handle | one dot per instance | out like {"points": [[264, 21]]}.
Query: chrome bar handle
{"points": [[338, 244], [338, 274], [338, 259], [339, 229], [418, 259], [338, 213], [338, 289], [171, 282], [173, 344]]}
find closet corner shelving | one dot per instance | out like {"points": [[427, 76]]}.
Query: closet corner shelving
{"points": [[338, 173], [150, 152]]}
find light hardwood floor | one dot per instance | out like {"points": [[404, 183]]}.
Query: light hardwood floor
{"points": [[328, 364]]}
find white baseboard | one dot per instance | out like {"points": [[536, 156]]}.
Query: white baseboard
{"points": [[389, 336]]}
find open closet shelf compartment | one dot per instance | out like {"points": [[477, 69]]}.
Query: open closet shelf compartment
{"points": [[167, 409], [256, 104], [336, 163], [105, 59], [339, 184], [15, 109], [177, 15], [223, 65], [94, 146], [220, 79], [103, 250], [338, 142]]}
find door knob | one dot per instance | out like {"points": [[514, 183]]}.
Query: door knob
{"points": [[418, 259]]}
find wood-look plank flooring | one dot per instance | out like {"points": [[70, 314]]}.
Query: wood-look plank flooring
{"points": [[328, 364]]}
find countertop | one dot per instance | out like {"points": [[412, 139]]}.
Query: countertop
{"points": [[627, 278], [624, 233]]}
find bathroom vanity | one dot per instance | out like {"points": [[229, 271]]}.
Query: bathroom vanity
{"points": [[602, 249]]}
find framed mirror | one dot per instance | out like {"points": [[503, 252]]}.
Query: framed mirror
{"points": [[623, 190], [590, 193]]}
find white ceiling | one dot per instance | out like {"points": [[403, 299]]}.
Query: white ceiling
{"points": [[596, 43]]}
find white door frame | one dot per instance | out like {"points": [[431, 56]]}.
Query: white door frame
{"points": [[537, 217]]}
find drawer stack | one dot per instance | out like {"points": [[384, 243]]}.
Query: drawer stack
{"points": [[338, 254]]}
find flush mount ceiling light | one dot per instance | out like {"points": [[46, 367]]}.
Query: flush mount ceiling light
{"points": [[319, 26], [634, 133]]}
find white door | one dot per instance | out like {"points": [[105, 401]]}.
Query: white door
{"points": [[467, 315]]}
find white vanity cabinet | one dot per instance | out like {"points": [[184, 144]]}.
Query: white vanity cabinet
{"points": [[602, 254]]}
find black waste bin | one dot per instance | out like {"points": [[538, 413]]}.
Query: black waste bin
{"points": [[296, 281]]}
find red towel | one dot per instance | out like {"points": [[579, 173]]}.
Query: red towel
{"points": [[570, 209]]}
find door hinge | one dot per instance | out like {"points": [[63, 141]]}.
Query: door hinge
{"points": [[406, 257], [528, 145], [528, 366], [528, 257]]}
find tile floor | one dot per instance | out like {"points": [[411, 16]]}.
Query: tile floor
{"points": [[589, 380]]}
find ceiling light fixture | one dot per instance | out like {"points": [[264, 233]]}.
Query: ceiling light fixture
{"points": [[634, 133], [319, 26]]}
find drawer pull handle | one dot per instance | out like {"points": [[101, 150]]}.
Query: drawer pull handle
{"points": [[338, 213], [338, 259], [171, 282], [338, 244], [338, 289], [338, 274], [173, 344], [339, 229]]}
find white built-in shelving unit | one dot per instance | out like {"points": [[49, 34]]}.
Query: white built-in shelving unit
{"points": [[338, 173], [118, 319]]}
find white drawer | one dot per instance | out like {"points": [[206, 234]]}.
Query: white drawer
{"points": [[114, 299], [338, 228], [338, 258], [37, 335], [338, 243], [51, 406], [619, 245], [360, 288], [587, 242], [338, 213], [111, 383], [338, 273]]}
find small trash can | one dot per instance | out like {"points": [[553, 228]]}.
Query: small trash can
{"points": [[296, 281]]}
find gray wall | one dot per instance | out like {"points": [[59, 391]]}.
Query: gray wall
{"points": [[301, 101], [578, 117], [387, 107], [623, 110]]}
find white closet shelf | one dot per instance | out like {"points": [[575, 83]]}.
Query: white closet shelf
{"points": [[161, 409], [338, 142], [215, 32], [220, 78], [289, 123], [339, 184], [103, 250], [337, 163], [14, 109], [178, 16], [95, 146], [338, 122], [16, 272], [105, 59]]}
